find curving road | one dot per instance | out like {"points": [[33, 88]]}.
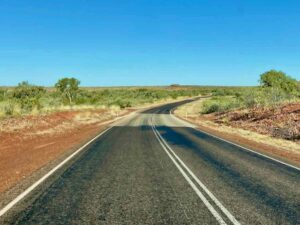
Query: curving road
{"points": [[152, 168]]}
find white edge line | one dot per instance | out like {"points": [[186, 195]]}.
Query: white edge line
{"points": [[210, 194], [198, 192], [247, 149], [12, 203], [42, 179]]}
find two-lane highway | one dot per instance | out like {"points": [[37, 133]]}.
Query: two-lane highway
{"points": [[152, 168]]}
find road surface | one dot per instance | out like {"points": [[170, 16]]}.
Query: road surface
{"points": [[152, 168]]}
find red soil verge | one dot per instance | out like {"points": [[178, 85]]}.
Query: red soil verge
{"points": [[285, 119], [281, 122], [282, 154], [29, 143]]}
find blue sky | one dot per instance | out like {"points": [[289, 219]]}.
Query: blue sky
{"points": [[139, 42]]}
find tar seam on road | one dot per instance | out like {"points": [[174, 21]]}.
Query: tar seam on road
{"points": [[41, 180], [165, 146], [244, 148]]}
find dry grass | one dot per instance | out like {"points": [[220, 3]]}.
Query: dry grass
{"points": [[56, 122], [191, 112], [191, 109]]}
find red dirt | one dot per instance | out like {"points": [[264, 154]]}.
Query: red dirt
{"points": [[29, 143], [276, 152], [282, 122]]}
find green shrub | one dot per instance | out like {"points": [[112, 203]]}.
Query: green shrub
{"points": [[210, 107], [25, 90], [265, 97], [249, 99], [2, 95], [220, 104], [50, 102], [9, 109], [279, 80], [28, 95], [122, 103], [68, 87], [218, 92]]}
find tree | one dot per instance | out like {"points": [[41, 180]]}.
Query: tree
{"points": [[68, 87], [28, 95], [279, 80]]}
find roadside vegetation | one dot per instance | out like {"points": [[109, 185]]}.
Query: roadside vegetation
{"points": [[27, 98], [277, 94], [272, 108], [276, 88]]}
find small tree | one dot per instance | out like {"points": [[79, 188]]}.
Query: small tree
{"points": [[28, 95], [68, 87], [279, 80]]}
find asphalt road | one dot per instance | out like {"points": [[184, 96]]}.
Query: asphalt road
{"points": [[152, 168]]}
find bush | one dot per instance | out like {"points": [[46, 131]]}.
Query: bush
{"points": [[122, 103], [276, 96], [50, 102], [290, 132], [2, 95], [26, 90], [9, 109], [218, 92], [210, 107], [279, 80], [220, 104], [264, 97], [249, 99], [28, 95]]}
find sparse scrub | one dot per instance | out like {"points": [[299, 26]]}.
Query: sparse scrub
{"points": [[2, 95], [219, 104], [30, 99], [266, 97], [9, 108], [26, 98], [276, 88], [290, 131]]}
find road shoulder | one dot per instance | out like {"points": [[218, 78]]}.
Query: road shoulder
{"points": [[273, 147]]}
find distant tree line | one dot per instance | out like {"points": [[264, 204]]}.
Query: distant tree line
{"points": [[27, 98], [275, 87]]}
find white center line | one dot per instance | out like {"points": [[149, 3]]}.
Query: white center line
{"points": [[172, 154], [198, 192]]}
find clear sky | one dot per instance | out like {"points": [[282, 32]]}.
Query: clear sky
{"points": [[148, 42]]}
